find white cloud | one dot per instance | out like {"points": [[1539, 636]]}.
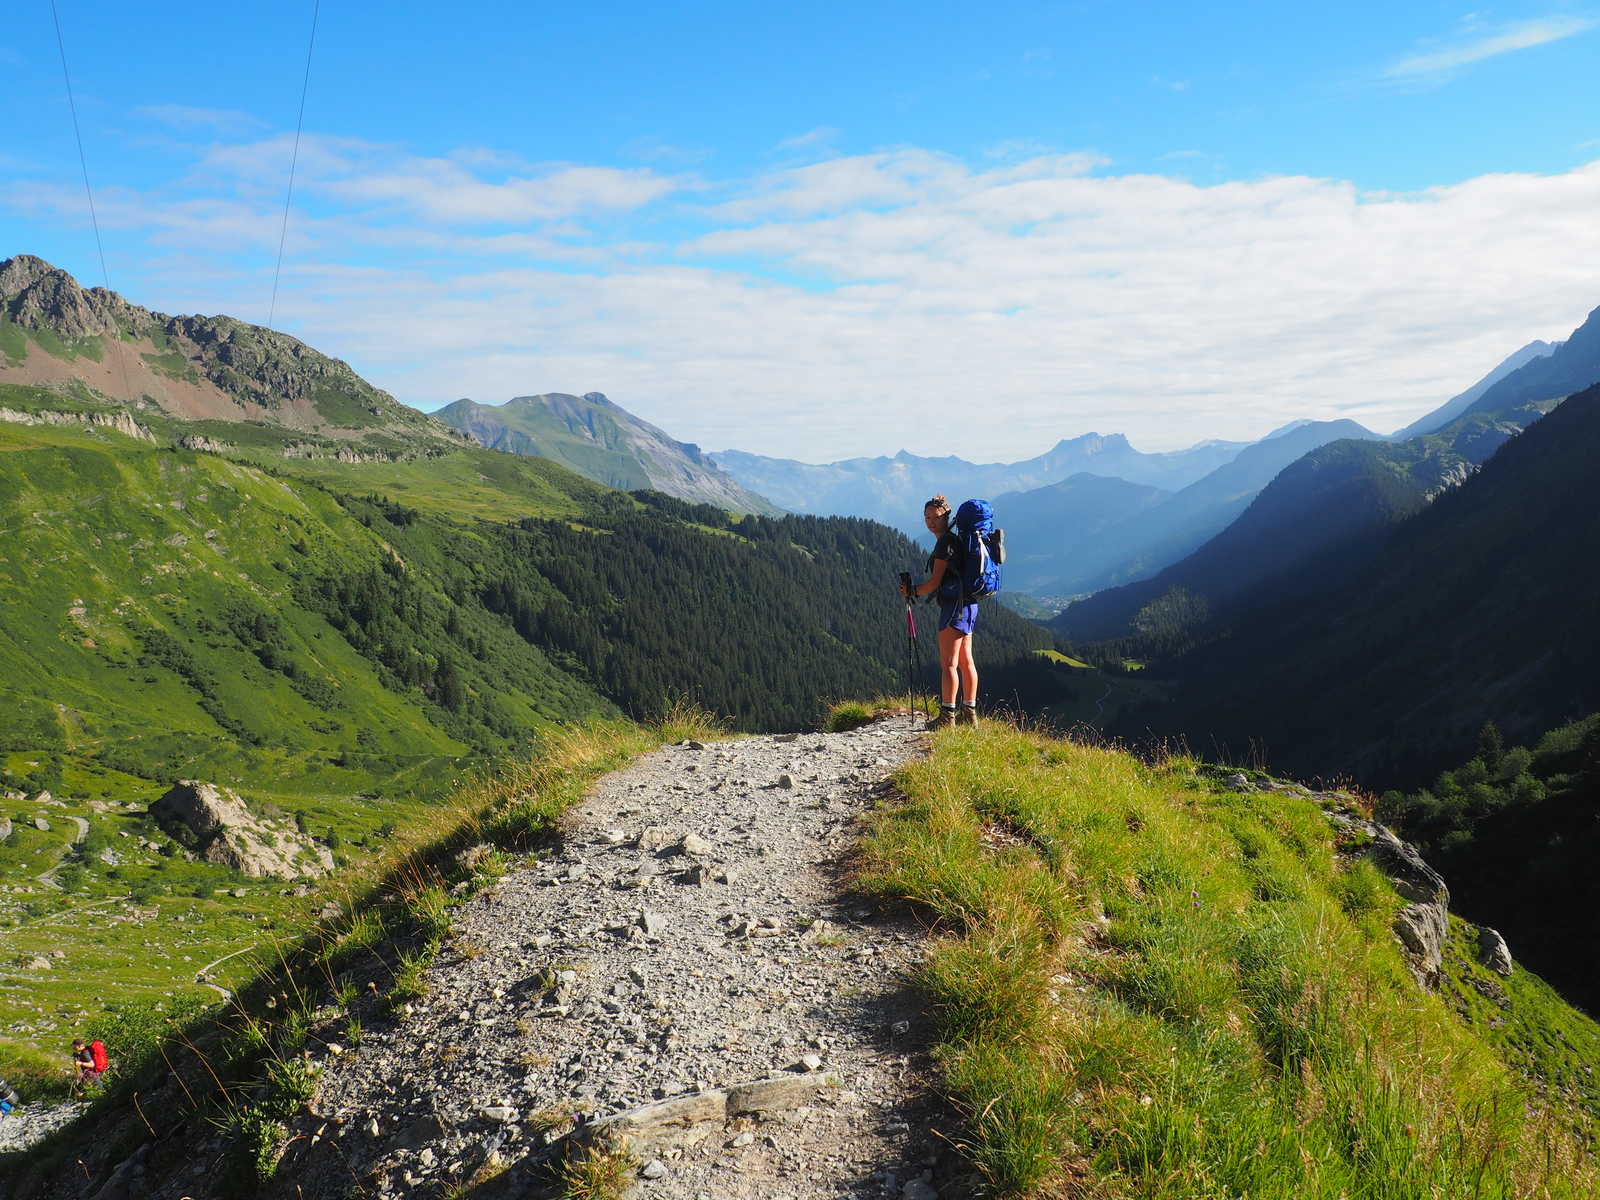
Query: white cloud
{"points": [[187, 117], [445, 191], [820, 138], [1480, 44], [901, 298], [888, 179], [474, 186]]}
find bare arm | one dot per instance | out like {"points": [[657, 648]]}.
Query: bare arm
{"points": [[932, 584]]}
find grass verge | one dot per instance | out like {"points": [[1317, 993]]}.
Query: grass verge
{"points": [[1149, 987]]}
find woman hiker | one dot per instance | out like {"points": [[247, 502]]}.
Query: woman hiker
{"points": [[956, 621]]}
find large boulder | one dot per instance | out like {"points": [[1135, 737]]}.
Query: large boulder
{"points": [[214, 824], [5, 828], [1493, 951]]}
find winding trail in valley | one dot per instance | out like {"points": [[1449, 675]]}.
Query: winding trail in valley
{"points": [[48, 878]]}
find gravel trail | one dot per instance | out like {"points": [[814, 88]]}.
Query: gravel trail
{"points": [[693, 932]]}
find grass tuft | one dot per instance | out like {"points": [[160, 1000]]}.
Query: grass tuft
{"points": [[846, 715], [683, 720], [592, 1173]]}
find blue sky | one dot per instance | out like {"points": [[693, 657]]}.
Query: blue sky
{"points": [[843, 229]]}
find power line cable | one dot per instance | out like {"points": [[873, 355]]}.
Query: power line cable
{"points": [[294, 160], [83, 161]]}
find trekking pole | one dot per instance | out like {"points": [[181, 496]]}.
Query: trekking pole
{"points": [[911, 649]]}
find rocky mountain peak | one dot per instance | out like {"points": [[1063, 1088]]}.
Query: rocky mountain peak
{"points": [[190, 367], [36, 295]]}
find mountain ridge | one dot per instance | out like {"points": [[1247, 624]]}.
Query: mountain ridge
{"points": [[1338, 492], [1457, 405], [598, 438]]}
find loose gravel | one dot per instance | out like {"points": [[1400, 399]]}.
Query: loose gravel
{"points": [[693, 931], [30, 1123]]}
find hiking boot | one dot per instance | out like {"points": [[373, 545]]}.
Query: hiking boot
{"points": [[945, 719], [967, 714]]}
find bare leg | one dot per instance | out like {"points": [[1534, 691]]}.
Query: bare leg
{"points": [[949, 651], [969, 670]]}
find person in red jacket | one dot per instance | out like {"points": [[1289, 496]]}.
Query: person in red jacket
{"points": [[90, 1062]]}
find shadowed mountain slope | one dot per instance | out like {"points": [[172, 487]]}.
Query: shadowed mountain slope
{"points": [[1059, 523], [1383, 656], [1340, 492], [1572, 366]]}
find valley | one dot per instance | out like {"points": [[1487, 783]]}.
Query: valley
{"points": [[370, 627]]}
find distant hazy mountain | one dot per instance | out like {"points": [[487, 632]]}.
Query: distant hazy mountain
{"points": [[892, 489], [1337, 492], [1057, 523], [604, 442], [1165, 532], [57, 335], [1454, 407]]}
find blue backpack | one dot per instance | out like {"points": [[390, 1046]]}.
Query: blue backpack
{"points": [[985, 550]]}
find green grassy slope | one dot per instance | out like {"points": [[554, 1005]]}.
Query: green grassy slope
{"points": [[164, 618], [1149, 985], [463, 483]]}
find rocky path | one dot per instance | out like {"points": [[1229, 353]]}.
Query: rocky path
{"points": [[688, 975]]}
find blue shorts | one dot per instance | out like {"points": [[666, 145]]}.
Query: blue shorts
{"points": [[963, 618]]}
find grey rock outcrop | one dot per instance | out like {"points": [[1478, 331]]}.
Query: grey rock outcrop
{"points": [[1423, 925], [1493, 951], [119, 420], [5, 828], [214, 824], [206, 445]]}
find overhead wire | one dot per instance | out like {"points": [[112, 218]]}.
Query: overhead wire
{"points": [[94, 219], [294, 160]]}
